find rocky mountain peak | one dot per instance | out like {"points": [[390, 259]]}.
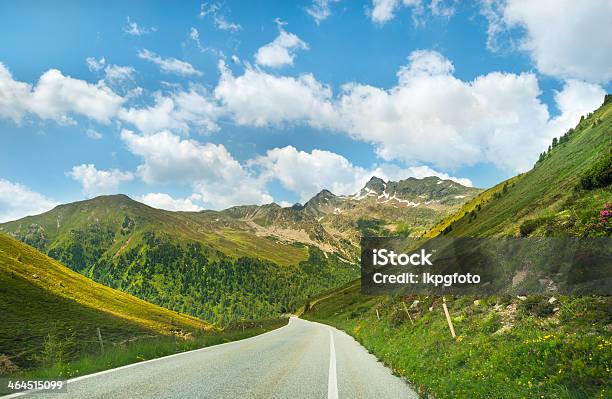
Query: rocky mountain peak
{"points": [[376, 184], [323, 196], [271, 205], [297, 206]]}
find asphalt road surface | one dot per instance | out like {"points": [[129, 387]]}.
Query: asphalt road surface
{"points": [[301, 360]]}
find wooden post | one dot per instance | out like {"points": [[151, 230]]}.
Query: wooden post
{"points": [[407, 312], [100, 339], [448, 318], [377, 315]]}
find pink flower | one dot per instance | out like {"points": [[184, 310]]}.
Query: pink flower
{"points": [[605, 213]]}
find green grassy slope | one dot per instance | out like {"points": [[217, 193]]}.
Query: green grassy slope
{"points": [[45, 303], [506, 347], [550, 196], [534, 347], [472, 206]]}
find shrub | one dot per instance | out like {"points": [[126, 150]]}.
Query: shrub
{"points": [[397, 318], [599, 175], [530, 225], [536, 306], [7, 366], [491, 323], [587, 310], [56, 349], [358, 312]]}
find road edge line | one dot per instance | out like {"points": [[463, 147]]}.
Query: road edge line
{"points": [[332, 381]]}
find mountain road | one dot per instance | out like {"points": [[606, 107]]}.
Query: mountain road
{"points": [[300, 360]]}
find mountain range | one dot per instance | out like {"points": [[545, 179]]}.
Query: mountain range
{"points": [[242, 262]]}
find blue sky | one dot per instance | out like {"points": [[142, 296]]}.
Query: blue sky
{"points": [[192, 105]]}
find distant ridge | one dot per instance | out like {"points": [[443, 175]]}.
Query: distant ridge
{"points": [[246, 261]]}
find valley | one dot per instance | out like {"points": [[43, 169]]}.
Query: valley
{"points": [[51, 318], [245, 262]]}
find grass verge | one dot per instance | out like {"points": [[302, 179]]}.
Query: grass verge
{"points": [[54, 366], [506, 347]]}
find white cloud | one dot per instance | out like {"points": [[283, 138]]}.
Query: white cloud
{"points": [[320, 10], [95, 65], [165, 201], [195, 36], [240, 190], [222, 23], [170, 159], [579, 98], [209, 168], [576, 99], [115, 74], [497, 31], [93, 134], [281, 51], [258, 99], [14, 96], [307, 173], [430, 116], [17, 201], [96, 182], [56, 97], [179, 111], [212, 9], [134, 92], [169, 65], [441, 9], [208, 8], [424, 63], [133, 29], [564, 39], [384, 10]]}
